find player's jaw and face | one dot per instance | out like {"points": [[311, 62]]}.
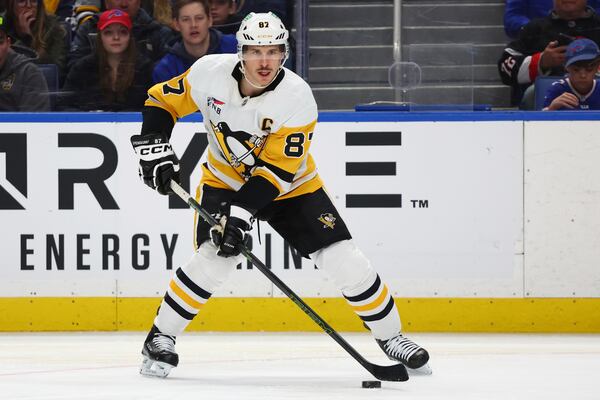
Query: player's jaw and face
{"points": [[261, 63], [193, 23], [115, 39]]}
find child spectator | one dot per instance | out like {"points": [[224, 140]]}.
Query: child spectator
{"points": [[33, 28], [22, 85], [580, 90], [192, 19], [115, 77], [540, 48], [150, 36]]}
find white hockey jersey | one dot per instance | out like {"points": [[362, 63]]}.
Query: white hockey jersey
{"points": [[267, 135]]}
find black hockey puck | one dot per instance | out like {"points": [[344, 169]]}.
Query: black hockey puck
{"points": [[371, 384]]}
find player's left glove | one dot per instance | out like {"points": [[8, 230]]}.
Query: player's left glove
{"points": [[158, 162], [232, 231]]}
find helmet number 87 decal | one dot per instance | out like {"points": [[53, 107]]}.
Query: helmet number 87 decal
{"points": [[263, 24], [294, 145]]}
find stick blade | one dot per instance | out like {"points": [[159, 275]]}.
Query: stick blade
{"points": [[390, 373]]}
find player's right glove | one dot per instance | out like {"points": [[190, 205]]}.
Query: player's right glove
{"points": [[158, 162], [232, 231]]}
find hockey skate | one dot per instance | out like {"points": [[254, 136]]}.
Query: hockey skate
{"points": [[404, 350], [159, 354]]}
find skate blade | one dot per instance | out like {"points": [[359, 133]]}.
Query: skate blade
{"points": [[424, 370], [157, 369]]}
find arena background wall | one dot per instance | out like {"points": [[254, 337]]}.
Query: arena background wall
{"points": [[478, 222]]}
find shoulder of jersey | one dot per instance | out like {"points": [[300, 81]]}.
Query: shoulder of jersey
{"points": [[293, 103], [295, 85]]}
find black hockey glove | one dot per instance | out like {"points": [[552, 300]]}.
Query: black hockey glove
{"points": [[158, 162], [232, 231]]}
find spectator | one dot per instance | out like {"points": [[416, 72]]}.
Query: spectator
{"points": [[579, 91], [518, 13], [540, 48], [33, 28], [192, 19], [114, 78], [150, 36], [22, 85], [224, 17]]}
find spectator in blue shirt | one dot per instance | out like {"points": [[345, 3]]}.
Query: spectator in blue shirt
{"points": [[192, 19], [580, 90], [519, 12]]}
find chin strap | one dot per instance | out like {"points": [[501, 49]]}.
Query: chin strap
{"points": [[255, 85]]}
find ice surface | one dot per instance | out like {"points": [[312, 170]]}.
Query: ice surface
{"points": [[213, 366]]}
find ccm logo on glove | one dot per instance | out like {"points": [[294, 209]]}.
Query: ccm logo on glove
{"points": [[158, 163], [155, 149]]}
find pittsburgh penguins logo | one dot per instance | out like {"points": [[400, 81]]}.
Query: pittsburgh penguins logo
{"points": [[238, 146], [328, 220]]}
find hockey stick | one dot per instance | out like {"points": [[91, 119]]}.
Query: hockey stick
{"points": [[396, 372]]}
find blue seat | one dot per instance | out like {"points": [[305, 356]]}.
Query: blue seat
{"points": [[50, 72], [542, 84]]}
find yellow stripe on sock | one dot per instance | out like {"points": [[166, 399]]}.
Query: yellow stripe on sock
{"points": [[184, 296], [375, 303]]}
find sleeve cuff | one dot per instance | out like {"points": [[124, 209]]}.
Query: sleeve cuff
{"points": [[534, 66], [255, 194]]}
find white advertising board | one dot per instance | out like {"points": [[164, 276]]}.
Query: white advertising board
{"points": [[439, 215], [562, 209]]}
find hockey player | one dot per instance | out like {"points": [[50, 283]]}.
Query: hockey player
{"points": [[260, 119]]}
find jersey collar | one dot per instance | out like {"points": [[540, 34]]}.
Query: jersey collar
{"points": [[238, 76], [582, 96]]}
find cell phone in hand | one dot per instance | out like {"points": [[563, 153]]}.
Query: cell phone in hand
{"points": [[564, 40]]}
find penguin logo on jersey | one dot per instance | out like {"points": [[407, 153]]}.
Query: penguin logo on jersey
{"points": [[328, 220], [215, 104], [238, 146]]}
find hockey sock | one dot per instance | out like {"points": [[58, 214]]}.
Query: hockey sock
{"points": [[361, 286], [374, 304], [191, 287]]}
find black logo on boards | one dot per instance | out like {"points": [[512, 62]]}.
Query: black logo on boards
{"points": [[13, 170]]}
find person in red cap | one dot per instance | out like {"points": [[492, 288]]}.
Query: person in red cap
{"points": [[115, 77], [150, 36]]}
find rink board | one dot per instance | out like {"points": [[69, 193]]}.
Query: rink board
{"points": [[439, 206]]}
